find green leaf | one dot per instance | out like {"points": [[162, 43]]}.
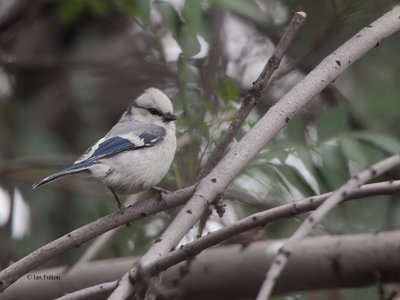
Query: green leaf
{"points": [[354, 150], [187, 39], [293, 176], [380, 140], [171, 16], [225, 88], [193, 16], [185, 31], [334, 167], [304, 154], [194, 109], [187, 73], [98, 7], [331, 123], [69, 10]]}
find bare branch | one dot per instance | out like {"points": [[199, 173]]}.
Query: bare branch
{"points": [[89, 231], [314, 218], [317, 263], [95, 290], [253, 95], [262, 219], [102, 240], [258, 219]]}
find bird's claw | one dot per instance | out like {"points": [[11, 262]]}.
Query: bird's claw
{"points": [[121, 208], [161, 191]]}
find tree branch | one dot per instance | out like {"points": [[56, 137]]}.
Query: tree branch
{"points": [[317, 263], [89, 231], [191, 249], [261, 219], [93, 291], [265, 129], [98, 244], [314, 218]]}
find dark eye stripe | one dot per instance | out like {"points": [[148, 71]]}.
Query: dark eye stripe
{"points": [[154, 111]]}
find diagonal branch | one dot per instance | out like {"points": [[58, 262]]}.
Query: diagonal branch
{"points": [[99, 243], [254, 94], [314, 218], [258, 219], [89, 231], [265, 129]]}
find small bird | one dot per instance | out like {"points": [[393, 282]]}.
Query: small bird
{"points": [[136, 153]]}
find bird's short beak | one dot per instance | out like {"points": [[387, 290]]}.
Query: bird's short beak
{"points": [[168, 117]]}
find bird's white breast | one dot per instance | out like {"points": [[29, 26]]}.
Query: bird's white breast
{"points": [[133, 171]]}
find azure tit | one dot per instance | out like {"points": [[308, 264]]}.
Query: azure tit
{"points": [[136, 153]]}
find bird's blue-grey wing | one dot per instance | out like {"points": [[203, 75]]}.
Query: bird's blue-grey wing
{"points": [[108, 146], [150, 136]]}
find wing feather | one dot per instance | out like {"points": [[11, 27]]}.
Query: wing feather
{"points": [[126, 142]]}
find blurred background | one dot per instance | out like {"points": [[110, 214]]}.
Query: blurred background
{"points": [[69, 69]]}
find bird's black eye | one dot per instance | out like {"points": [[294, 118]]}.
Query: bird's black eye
{"points": [[154, 111]]}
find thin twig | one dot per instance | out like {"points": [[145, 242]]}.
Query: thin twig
{"points": [[253, 96], [314, 218]]}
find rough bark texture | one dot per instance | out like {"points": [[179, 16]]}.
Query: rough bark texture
{"points": [[317, 263]]}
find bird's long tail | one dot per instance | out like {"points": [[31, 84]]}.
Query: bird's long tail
{"points": [[71, 170]]}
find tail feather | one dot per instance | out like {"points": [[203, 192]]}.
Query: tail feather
{"points": [[71, 170]]}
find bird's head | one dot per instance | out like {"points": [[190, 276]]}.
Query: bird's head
{"points": [[152, 106]]}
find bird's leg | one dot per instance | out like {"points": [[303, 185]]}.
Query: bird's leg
{"points": [[120, 205], [161, 191]]}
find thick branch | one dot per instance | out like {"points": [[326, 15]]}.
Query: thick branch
{"points": [[89, 231], [317, 263]]}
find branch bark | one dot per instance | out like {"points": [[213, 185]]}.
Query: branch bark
{"points": [[89, 231], [190, 250], [315, 218], [317, 263]]}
